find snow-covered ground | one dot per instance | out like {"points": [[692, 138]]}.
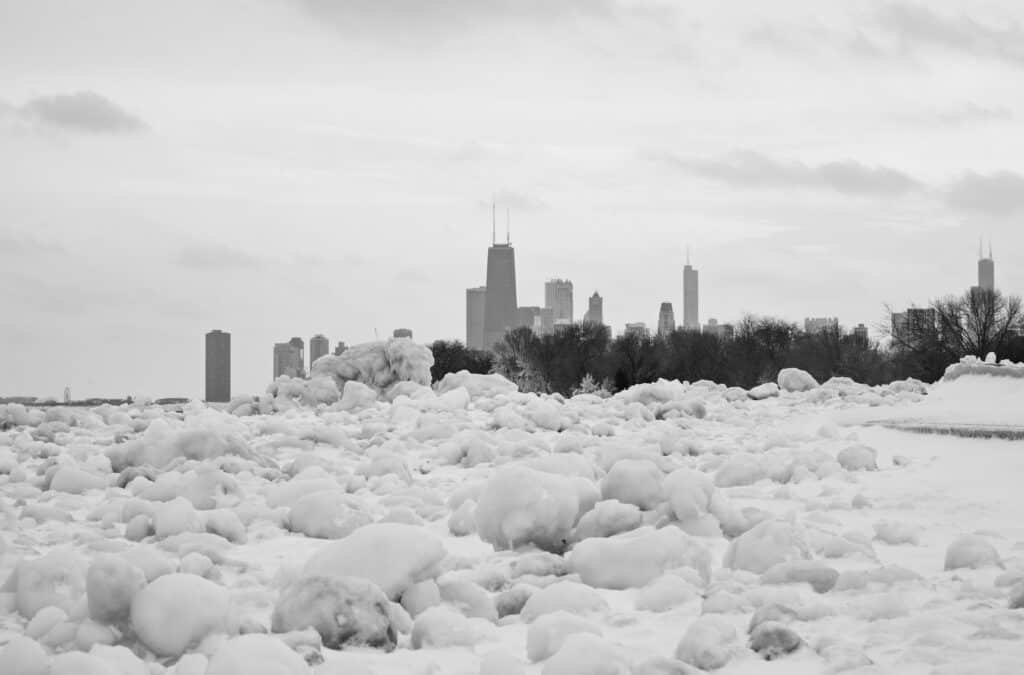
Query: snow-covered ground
{"points": [[470, 528]]}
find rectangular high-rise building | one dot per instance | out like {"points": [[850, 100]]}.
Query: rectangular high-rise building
{"points": [[595, 311], [691, 320], [987, 274], [666, 320], [558, 298], [402, 333], [218, 367], [821, 324], [476, 303], [289, 358], [318, 346], [501, 306]]}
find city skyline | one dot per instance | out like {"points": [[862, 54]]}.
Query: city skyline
{"points": [[157, 185]]}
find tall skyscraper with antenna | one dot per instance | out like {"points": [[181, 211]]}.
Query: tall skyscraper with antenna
{"points": [[691, 318], [501, 305], [986, 269]]}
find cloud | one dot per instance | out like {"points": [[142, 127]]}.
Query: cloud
{"points": [[82, 111], [215, 257], [750, 169], [999, 193], [21, 245], [917, 23], [973, 112]]}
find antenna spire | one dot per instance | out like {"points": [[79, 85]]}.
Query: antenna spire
{"points": [[494, 225], [508, 225], [990, 248], [687, 254], [980, 255]]}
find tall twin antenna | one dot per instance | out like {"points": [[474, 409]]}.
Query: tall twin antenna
{"points": [[981, 253], [494, 223], [687, 254]]}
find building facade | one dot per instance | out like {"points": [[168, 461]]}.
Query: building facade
{"points": [[500, 306], [340, 348], [691, 294], [723, 331], [666, 320], [218, 366], [476, 303], [595, 309], [318, 346], [860, 332], [289, 358], [987, 272], [402, 333], [638, 328], [821, 324], [558, 298]]}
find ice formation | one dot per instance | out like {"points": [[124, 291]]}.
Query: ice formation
{"points": [[363, 521]]}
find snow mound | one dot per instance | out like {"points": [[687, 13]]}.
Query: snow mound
{"points": [[547, 634], [586, 654], [972, 551], [567, 596], [57, 579], [520, 506], [478, 385], [378, 364], [160, 445], [394, 556], [708, 644], [110, 585], [972, 365]]}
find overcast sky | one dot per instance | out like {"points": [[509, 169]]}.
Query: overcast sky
{"points": [[287, 167]]}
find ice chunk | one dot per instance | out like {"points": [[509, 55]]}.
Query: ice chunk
{"points": [[23, 656], [709, 643], [636, 558], [177, 611], [378, 364], [488, 386], [972, 551], [345, 611], [763, 391], [858, 458], [521, 506], [563, 595], [442, 626], [766, 544], [327, 514], [634, 481], [548, 633], [110, 585], [392, 555], [56, 579], [586, 654], [607, 518], [256, 654], [794, 379], [664, 593]]}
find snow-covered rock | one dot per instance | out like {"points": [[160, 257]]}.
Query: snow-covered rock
{"points": [[634, 481], [327, 514], [548, 633], [858, 458], [709, 643], [763, 391], [110, 585], [586, 654], [256, 654], [568, 596], [972, 551], [765, 545], [442, 626]]}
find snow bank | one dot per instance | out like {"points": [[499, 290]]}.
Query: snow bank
{"points": [[521, 506]]}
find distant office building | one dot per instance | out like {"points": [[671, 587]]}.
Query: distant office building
{"points": [[986, 271], [500, 306], [339, 348], [528, 317], [218, 367], [666, 320], [691, 315], [476, 304], [913, 325], [638, 328], [402, 333], [723, 331], [547, 321], [595, 311], [860, 332], [821, 324], [289, 358], [558, 298], [318, 346]]}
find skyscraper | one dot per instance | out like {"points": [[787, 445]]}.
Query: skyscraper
{"points": [[476, 304], [500, 306], [558, 298], [860, 333], [691, 320], [638, 328], [595, 312], [821, 324], [289, 358], [666, 320], [986, 270], [218, 366], [340, 348], [318, 346], [402, 333]]}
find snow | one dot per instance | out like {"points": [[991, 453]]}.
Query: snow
{"points": [[473, 529]]}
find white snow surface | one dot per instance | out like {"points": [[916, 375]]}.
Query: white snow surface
{"points": [[479, 530]]}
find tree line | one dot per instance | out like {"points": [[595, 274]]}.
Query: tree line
{"points": [[584, 356]]}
